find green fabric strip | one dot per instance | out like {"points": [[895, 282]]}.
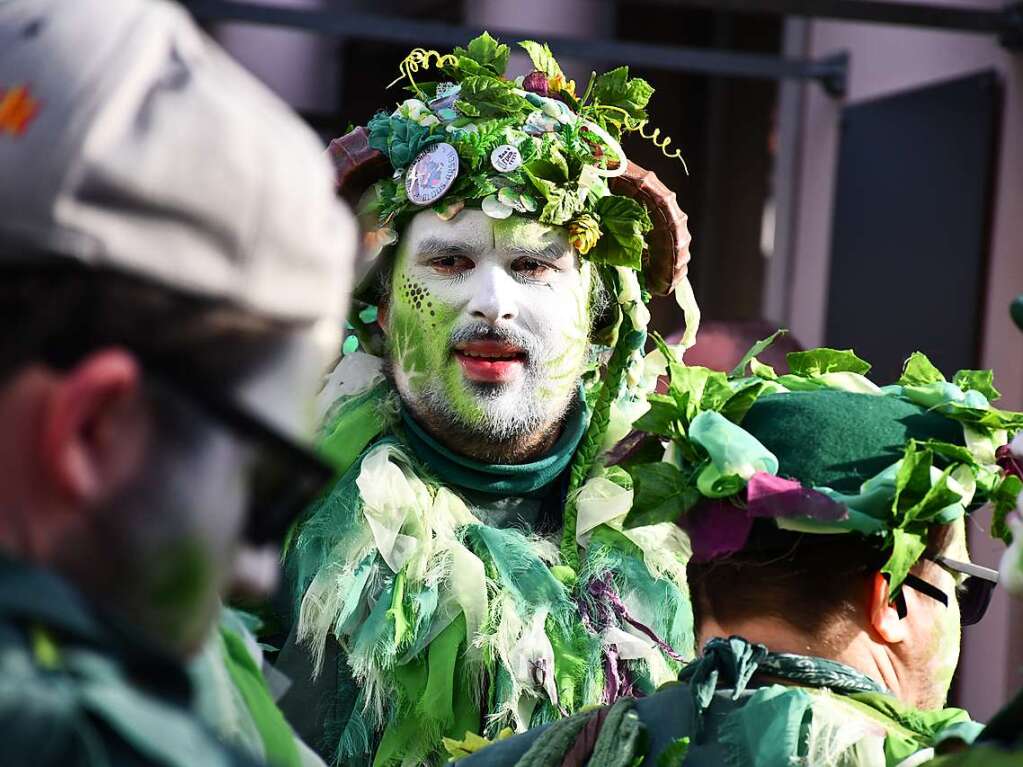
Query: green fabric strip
{"points": [[278, 739], [522, 479], [353, 428]]}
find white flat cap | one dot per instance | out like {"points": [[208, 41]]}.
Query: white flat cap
{"points": [[130, 141]]}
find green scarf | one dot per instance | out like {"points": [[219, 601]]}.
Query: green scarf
{"points": [[521, 479]]}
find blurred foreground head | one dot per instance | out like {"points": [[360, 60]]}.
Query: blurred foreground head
{"points": [[174, 266]]}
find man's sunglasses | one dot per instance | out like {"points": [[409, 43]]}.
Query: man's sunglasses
{"points": [[285, 478], [974, 593]]}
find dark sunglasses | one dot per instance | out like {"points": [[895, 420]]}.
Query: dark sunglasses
{"points": [[284, 478], [974, 593]]}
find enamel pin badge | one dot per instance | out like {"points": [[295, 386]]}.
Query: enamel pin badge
{"points": [[431, 174]]}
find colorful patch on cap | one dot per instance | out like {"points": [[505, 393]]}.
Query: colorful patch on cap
{"points": [[17, 110]]}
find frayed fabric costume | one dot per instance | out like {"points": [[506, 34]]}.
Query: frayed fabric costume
{"points": [[759, 458], [440, 601]]}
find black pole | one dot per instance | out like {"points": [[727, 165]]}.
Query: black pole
{"points": [[829, 72]]}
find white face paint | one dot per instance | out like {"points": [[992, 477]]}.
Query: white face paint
{"points": [[488, 323]]}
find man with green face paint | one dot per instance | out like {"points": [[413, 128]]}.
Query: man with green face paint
{"points": [[469, 576], [829, 574]]}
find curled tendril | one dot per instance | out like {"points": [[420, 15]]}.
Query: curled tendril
{"points": [[653, 135], [418, 59]]}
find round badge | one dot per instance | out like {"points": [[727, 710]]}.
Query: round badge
{"points": [[431, 174], [505, 158]]}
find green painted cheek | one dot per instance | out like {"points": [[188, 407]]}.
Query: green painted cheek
{"points": [[420, 327]]}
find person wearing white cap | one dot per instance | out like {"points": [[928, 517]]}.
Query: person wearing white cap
{"points": [[174, 269]]}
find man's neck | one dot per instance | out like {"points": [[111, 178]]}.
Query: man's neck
{"points": [[859, 651]]}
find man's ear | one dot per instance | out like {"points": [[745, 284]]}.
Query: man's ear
{"points": [[884, 618], [94, 427]]}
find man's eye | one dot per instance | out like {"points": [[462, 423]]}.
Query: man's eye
{"points": [[451, 264], [531, 267]]}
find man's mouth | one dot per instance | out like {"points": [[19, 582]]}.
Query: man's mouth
{"points": [[490, 361]]}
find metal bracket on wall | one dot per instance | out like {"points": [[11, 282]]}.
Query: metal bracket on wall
{"points": [[830, 72]]}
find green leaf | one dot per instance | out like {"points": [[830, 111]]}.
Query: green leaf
{"points": [[759, 369], [401, 140], [716, 392], [488, 53], [824, 360], [624, 223], [619, 476], [483, 96], [757, 348], [687, 384], [740, 402], [661, 494], [913, 479], [907, 546], [617, 89], [978, 380], [1003, 496], [949, 451], [542, 58], [919, 371], [562, 205], [660, 418], [550, 167]]}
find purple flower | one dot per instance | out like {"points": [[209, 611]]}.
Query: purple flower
{"points": [[535, 82]]}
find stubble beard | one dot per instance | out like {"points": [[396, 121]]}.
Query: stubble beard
{"points": [[516, 422]]}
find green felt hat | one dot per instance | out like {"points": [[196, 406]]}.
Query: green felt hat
{"points": [[823, 450], [839, 439]]}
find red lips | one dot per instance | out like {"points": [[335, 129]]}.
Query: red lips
{"points": [[490, 361]]}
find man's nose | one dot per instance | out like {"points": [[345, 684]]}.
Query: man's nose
{"points": [[495, 296]]}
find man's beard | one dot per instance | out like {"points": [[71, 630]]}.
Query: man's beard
{"points": [[508, 420]]}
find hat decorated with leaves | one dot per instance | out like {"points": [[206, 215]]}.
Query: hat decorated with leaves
{"points": [[531, 146], [753, 455]]}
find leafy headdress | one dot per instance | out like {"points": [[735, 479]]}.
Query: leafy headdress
{"points": [[755, 458], [534, 147]]}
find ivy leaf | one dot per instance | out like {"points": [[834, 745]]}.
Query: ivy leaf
{"points": [[919, 371], [616, 88], [624, 223], [979, 380], [757, 348], [561, 203], [542, 58], [483, 96], [488, 53], [660, 418], [824, 360], [661, 494]]}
